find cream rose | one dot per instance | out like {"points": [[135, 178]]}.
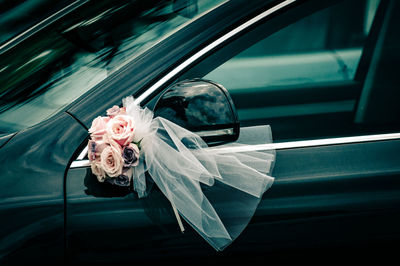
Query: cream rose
{"points": [[98, 171], [111, 161], [98, 128], [120, 129]]}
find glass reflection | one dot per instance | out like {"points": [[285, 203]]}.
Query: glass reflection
{"points": [[196, 105], [51, 69]]}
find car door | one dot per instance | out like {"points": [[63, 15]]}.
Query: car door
{"points": [[337, 163]]}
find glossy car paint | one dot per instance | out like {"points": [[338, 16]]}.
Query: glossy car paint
{"points": [[33, 166], [332, 201]]}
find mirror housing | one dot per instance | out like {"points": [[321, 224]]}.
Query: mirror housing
{"points": [[203, 107]]}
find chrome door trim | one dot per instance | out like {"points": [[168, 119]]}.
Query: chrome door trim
{"points": [[208, 48], [308, 143], [80, 163], [83, 153]]}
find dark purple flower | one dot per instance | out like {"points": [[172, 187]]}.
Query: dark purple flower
{"points": [[130, 154], [95, 149], [123, 180], [92, 150]]}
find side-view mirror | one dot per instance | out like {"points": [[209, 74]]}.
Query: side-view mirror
{"points": [[203, 107]]}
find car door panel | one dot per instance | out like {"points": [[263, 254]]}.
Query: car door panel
{"points": [[323, 197], [341, 198]]}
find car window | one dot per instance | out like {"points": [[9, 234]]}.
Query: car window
{"points": [[307, 78], [317, 48], [51, 69]]}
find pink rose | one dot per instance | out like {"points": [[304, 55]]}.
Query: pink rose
{"points": [[111, 161], [115, 110], [120, 129], [98, 128], [122, 111], [98, 171], [107, 139]]}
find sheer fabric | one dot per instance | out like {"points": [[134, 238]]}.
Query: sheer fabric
{"points": [[216, 193]]}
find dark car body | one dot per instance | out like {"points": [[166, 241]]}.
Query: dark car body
{"points": [[337, 188]]}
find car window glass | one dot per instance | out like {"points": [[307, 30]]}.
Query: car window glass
{"points": [[317, 48], [314, 49], [55, 66], [306, 79]]}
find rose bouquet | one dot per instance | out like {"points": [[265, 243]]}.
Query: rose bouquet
{"points": [[129, 144], [112, 150]]}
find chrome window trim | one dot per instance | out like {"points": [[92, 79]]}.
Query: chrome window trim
{"points": [[280, 146], [208, 48], [81, 163]]}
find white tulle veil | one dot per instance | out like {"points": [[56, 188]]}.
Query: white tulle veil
{"points": [[186, 170]]}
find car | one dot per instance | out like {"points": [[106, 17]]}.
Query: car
{"points": [[322, 74]]}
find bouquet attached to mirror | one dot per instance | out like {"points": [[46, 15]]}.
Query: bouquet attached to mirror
{"points": [[129, 142], [112, 151]]}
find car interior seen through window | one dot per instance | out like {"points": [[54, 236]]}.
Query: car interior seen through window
{"points": [[323, 75]]}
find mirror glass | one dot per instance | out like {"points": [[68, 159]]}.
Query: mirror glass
{"points": [[201, 106]]}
